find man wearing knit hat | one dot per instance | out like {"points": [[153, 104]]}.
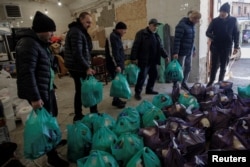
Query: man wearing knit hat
{"points": [[115, 56], [223, 32], [35, 71]]}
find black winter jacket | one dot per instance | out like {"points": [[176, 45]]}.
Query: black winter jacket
{"points": [[114, 51], [78, 46], [143, 46], [184, 37], [223, 32], [33, 62]]}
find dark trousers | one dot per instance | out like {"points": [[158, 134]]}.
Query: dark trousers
{"points": [[77, 100], [219, 58], [152, 73]]}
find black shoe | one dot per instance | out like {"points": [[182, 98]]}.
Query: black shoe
{"points": [[209, 84], [55, 161], [62, 143], [123, 102], [151, 92], [118, 104], [184, 86], [137, 96], [78, 117]]}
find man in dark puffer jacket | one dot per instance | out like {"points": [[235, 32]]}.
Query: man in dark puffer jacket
{"points": [[223, 32], [184, 48], [77, 58], [35, 75]]}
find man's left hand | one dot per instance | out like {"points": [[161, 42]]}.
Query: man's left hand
{"points": [[235, 51], [194, 54]]}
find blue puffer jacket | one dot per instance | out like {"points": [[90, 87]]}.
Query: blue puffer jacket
{"points": [[78, 45], [33, 62], [184, 37]]}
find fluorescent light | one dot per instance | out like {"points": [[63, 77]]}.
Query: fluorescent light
{"points": [[46, 11], [59, 3]]}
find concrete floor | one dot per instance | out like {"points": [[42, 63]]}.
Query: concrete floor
{"points": [[65, 95]]}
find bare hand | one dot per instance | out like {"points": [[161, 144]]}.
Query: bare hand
{"points": [[118, 69], [37, 104], [167, 60], [175, 56], [235, 51], [194, 54], [90, 71]]}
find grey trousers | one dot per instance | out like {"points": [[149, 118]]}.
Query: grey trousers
{"points": [[186, 63]]}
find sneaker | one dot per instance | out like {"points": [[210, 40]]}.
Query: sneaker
{"points": [[118, 104], [56, 161], [77, 117], [137, 96], [151, 92], [184, 86]]}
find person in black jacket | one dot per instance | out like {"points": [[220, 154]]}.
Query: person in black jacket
{"points": [[223, 32], [77, 58], [35, 74], [115, 56], [147, 49], [184, 48]]}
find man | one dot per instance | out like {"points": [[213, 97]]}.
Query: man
{"points": [[184, 48], [78, 46], [223, 31], [35, 75], [115, 56], [147, 50]]}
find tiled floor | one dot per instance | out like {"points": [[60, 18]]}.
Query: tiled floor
{"points": [[65, 96]]}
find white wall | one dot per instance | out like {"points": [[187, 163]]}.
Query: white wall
{"points": [[61, 15]]}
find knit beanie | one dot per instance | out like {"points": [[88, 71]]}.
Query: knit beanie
{"points": [[120, 25], [225, 8], [42, 23]]}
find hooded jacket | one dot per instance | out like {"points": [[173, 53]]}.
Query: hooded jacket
{"points": [[223, 32], [33, 63], [184, 37], [78, 46]]}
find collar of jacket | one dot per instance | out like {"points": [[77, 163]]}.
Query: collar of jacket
{"points": [[116, 32]]}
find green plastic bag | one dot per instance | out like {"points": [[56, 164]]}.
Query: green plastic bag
{"points": [[127, 145], [244, 92], [97, 159], [174, 71], [127, 121], [120, 87], [146, 158], [91, 91], [41, 134], [162, 100], [144, 106], [151, 115], [102, 139], [79, 140], [188, 101], [103, 120], [131, 72], [89, 119]]}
